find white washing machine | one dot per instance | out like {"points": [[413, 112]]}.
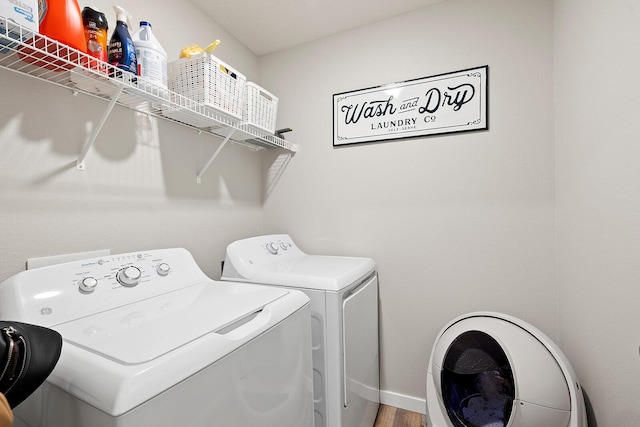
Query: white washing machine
{"points": [[344, 311], [494, 370], [149, 340]]}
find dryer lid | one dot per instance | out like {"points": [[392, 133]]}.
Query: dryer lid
{"points": [[276, 260], [141, 332], [328, 273]]}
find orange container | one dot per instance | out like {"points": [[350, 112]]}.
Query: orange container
{"points": [[60, 20]]}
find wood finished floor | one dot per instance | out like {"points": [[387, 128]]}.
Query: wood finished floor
{"points": [[389, 416]]}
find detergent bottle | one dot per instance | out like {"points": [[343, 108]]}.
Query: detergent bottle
{"points": [[61, 20], [122, 53], [152, 58], [95, 32]]}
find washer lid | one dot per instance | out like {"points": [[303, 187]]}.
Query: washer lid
{"points": [[329, 273], [141, 332]]}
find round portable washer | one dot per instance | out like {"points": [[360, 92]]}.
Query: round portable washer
{"points": [[493, 370]]}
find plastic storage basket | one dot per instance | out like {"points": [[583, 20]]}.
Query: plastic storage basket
{"points": [[260, 108], [208, 81]]}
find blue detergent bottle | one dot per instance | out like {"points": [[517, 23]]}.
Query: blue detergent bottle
{"points": [[122, 52]]}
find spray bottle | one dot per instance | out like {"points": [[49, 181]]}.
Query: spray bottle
{"points": [[122, 53], [152, 58]]}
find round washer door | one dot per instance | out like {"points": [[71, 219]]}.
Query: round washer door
{"points": [[491, 371], [477, 383]]}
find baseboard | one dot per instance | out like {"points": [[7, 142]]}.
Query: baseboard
{"points": [[402, 401]]}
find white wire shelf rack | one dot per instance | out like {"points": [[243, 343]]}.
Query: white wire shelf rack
{"points": [[24, 52]]}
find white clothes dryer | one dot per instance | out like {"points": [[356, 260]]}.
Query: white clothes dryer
{"points": [[494, 370], [149, 340], [344, 311]]}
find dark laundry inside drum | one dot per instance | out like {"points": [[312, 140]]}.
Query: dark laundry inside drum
{"points": [[477, 382], [490, 369]]}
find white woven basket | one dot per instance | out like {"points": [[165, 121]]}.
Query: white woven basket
{"points": [[260, 108], [209, 81]]}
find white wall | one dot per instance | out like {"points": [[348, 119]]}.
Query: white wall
{"points": [[139, 189], [598, 193], [456, 223]]}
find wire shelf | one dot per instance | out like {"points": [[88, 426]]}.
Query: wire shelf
{"points": [[28, 53]]}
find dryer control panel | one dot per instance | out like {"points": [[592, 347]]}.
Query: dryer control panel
{"points": [[246, 257], [263, 249], [279, 246]]}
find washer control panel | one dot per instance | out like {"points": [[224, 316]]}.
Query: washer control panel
{"points": [[126, 270], [87, 284], [129, 276], [68, 291]]}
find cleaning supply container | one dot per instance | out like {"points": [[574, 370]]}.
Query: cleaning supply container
{"points": [[25, 15], [122, 53], [61, 21], [151, 57], [95, 33]]}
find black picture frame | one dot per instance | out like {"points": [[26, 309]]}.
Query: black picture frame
{"points": [[442, 104]]}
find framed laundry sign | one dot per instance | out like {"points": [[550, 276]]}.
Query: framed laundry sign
{"points": [[446, 103]]}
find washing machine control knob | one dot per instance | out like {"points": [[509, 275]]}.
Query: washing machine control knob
{"points": [[163, 269], [129, 276], [272, 248], [87, 285]]}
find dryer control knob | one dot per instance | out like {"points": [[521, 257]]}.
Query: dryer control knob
{"points": [[129, 276], [87, 285], [272, 248], [163, 269]]}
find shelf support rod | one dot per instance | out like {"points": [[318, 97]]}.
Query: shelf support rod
{"points": [[96, 130], [218, 150]]}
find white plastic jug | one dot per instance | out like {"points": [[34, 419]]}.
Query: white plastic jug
{"points": [[152, 58]]}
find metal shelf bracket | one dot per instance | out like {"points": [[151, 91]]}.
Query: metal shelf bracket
{"points": [[212, 158], [96, 130]]}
